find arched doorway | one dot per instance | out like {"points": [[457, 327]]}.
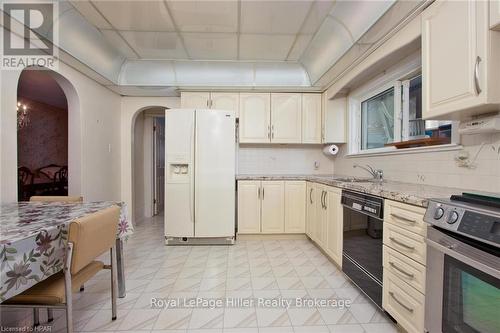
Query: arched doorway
{"points": [[148, 162], [48, 135]]}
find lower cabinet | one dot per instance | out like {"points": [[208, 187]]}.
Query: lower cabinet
{"points": [[324, 222], [271, 207]]}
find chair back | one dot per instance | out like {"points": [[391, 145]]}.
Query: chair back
{"points": [[92, 235], [24, 176], [56, 198]]}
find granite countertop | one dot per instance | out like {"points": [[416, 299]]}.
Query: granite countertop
{"points": [[413, 194]]}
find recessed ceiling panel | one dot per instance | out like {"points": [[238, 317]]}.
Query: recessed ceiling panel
{"points": [[211, 46], [265, 47], [273, 17], [299, 46], [114, 38], [156, 45], [88, 11], [136, 15], [205, 16]]}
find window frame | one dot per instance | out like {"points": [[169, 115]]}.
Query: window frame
{"points": [[397, 77]]}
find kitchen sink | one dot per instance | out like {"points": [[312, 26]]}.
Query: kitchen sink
{"points": [[356, 180]]}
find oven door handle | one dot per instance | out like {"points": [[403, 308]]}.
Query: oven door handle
{"points": [[465, 253]]}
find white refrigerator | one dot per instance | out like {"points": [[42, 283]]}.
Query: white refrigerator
{"points": [[200, 176]]}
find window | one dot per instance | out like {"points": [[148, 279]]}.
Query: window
{"points": [[388, 110]]}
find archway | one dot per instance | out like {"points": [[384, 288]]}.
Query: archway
{"points": [[148, 161], [48, 140]]}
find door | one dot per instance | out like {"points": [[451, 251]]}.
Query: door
{"points": [[273, 207], [286, 118], [159, 165], [249, 207], [453, 67], [311, 118], [195, 100], [295, 206], [334, 227], [179, 183], [214, 173], [311, 210], [322, 218], [226, 101], [255, 118]]}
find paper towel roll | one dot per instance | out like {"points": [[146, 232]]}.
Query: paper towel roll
{"points": [[331, 150]]}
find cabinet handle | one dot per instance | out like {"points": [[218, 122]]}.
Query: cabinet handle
{"points": [[411, 276], [476, 76], [404, 218], [310, 195], [263, 193], [402, 244], [208, 104], [406, 307], [268, 132], [258, 193], [322, 199], [326, 193], [272, 131]]}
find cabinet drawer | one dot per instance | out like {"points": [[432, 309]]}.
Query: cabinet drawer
{"points": [[405, 216], [405, 242], [405, 304], [405, 268]]}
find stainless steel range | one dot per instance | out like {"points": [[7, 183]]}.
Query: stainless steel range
{"points": [[463, 265]]}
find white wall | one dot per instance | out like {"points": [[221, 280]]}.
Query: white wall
{"points": [[94, 136], [283, 159], [130, 108]]}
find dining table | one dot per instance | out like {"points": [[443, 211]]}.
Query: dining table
{"points": [[33, 238]]}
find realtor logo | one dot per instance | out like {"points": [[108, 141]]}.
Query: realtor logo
{"points": [[29, 32]]}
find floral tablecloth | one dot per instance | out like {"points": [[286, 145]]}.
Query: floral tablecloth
{"points": [[33, 236]]}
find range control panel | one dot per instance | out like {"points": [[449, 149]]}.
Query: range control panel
{"points": [[475, 223]]}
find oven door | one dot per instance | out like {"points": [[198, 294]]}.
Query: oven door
{"points": [[462, 287]]}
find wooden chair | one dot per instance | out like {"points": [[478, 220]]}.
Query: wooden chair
{"points": [[25, 181], [55, 198], [88, 238]]}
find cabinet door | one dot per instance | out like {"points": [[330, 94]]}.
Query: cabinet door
{"points": [[226, 101], [334, 226], [195, 100], [311, 210], [273, 207], [311, 118], [255, 118], [295, 206], [495, 14], [286, 118], [454, 37], [321, 217], [248, 207], [334, 119]]}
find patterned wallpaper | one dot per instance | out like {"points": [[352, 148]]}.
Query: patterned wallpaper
{"points": [[45, 140]]}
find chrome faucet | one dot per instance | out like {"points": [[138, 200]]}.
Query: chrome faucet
{"points": [[377, 174]]}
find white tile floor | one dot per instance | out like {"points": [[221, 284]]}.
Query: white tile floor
{"points": [[251, 269]]}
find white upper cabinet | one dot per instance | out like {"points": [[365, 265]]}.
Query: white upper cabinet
{"points": [[311, 118], [225, 101], [460, 59], [195, 100], [286, 118], [255, 118], [495, 14], [334, 119]]}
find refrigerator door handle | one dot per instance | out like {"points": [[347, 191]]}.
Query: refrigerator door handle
{"points": [[193, 165]]}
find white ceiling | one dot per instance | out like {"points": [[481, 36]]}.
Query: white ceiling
{"points": [[208, 30]]}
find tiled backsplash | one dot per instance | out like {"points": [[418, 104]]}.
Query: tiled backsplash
{"points": [[437, 168], [283, 159]]}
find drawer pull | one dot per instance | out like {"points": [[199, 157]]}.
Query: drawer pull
{"points": [[406, 307], [411, 276], [402, 244], [404, 218]]}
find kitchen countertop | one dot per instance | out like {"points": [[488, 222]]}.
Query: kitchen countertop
{"points": [[413, 194]]}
